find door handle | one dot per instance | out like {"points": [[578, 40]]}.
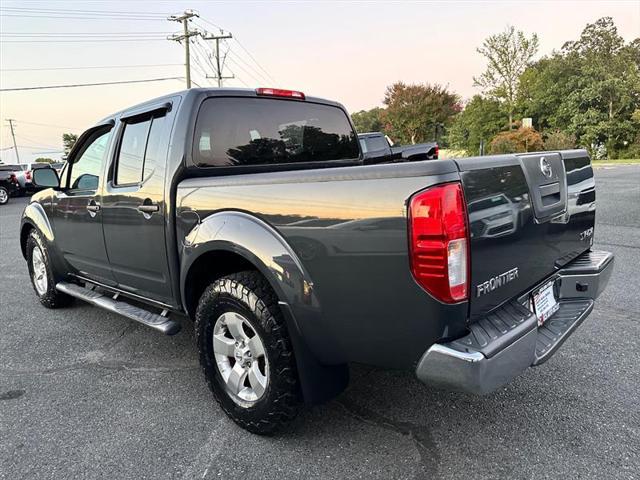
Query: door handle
{"points": [[148, 208], [93, 208]]}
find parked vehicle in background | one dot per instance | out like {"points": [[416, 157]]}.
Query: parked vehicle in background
{"points": [[58, 166], [255, 214], [8, 183], [379, 148], [24, 174]]}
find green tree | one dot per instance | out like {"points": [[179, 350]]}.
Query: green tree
{"points": [[544, 86], [559, 140], [589, 89], [45, 160], [418, 113], [508, 54], [517, 141], [68, 141], [481, 119], [368, 120], [607, 91]]}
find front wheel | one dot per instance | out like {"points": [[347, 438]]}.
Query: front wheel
{"points": [[246, 354], [42, 275], [4, 196]]}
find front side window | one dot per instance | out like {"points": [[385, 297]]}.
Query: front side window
{"points": [[86, 170], [260, 131]]}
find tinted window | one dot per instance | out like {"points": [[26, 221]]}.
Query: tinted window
{"points": [[86, 170], [376, 143], [259, 131], [131, 156], [156, 146]]}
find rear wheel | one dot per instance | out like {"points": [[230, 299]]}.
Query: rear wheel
{"points": [[246, 353], [4, 196], [42, 275]]}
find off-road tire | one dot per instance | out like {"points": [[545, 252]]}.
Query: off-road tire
{"points": [[52, 298], [249, 294]]}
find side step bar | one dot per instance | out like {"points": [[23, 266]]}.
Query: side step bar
{"points": [[157, 322]]}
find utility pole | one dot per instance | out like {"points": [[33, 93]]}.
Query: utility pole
{"points": [[13, 135], [219, 66], [187, 34]]}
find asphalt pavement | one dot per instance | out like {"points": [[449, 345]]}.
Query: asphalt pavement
{"points": [[88, 394]]}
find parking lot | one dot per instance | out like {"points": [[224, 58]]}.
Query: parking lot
{"points": [[88, 394]]}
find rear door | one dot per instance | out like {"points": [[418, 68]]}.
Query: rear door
{"points": [[134, 207], [529, 215]]}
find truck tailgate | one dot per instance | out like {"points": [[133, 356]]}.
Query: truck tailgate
{"points": [[529, 214]]}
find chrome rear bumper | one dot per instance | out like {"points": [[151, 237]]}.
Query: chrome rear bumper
{"points": [[506, 342]]}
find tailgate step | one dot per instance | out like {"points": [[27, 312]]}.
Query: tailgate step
{"points": [[150, 319], [559, 326], [498, 329]]}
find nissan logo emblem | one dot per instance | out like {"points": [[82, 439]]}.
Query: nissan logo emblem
{"points": [[545, 167]]}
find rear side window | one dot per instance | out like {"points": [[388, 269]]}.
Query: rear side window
{"points": [[259, 131], [139, 150]]}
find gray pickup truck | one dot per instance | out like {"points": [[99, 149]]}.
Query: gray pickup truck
{"points": [[252, 213]]}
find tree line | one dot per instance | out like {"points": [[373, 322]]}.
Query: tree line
{"points": [[586, 94]]}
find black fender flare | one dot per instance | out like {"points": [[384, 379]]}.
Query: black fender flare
{"points": [[260, 244], [34, 216]]}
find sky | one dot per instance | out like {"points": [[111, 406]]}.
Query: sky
{"points": [[345, 51]]}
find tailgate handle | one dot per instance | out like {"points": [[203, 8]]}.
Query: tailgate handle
{"points": [[550, 194]]}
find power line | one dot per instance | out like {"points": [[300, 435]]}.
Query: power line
{"points": [[70, 10], [47, 125], [243, 48], [105, 40], [75, 34], [73, 17], [90, 67], [252, 58], [90, 84], [253, 69], [236, 77]]}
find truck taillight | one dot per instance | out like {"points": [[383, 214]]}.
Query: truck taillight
{"points": [[439, 242], [279, 92], [27, 174], [437, 151]]}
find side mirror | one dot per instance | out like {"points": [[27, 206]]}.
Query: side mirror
{"points": [[45, 178]]}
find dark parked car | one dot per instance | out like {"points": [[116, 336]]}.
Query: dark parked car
{"points": [[254, 214], [378, 148], [8, 183]]}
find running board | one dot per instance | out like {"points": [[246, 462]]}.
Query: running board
{"points": [[157, 322]]}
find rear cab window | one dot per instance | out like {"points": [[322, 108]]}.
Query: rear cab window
{"points": [[375, 144], [248, 131]]}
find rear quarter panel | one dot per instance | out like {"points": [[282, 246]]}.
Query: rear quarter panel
{"points": [[347, 227]]}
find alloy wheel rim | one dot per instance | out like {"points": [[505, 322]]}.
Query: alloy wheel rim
{"points": [[39, 271], [3, 195], [240, 358]]}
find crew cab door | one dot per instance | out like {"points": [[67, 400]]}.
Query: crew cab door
{"points": [[76, 210], [134, 207]]}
